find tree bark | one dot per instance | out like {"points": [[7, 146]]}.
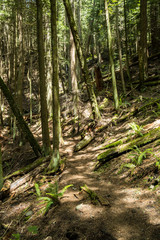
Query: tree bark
{"points": [[120, 52], [143, 43], [55, 160], [126, 44], [1, 170], [110, 45], [82, 60], [43, 101], [21, 123]]}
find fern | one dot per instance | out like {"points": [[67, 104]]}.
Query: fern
{"points": [[53, 195], [38, 191], [137, 129], [138, 155]]}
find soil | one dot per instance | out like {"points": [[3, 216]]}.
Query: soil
{"points": [[130, 209]]}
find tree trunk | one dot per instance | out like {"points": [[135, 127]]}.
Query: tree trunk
{"points": [[73, 71], [126, 44], [21, 123], [82, 60], [110, 45], [44, 112], [143, 43], [1, 170], [155, 26], [120, 52], [55, 160]]}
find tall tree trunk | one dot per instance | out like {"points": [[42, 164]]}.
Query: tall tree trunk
{"points": [[82, 60], [73, 70], [110, 45], [22, 125], [126, 44], [120, 52], [90, 33], [55, 160], [155, 25], [143, 42], [1, 170], [20, 55], [44, 112]]}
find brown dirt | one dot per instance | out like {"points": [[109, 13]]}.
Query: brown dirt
{"points": [[132, 214], [132, 209]]}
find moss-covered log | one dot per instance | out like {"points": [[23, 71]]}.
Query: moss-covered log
{"points": [[117, 142], [22, 125], [28, 168], [111, 153], [83, 143]]}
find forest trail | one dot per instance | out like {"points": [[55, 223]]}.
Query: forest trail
{"points": [[132, 212], [126, 208]]}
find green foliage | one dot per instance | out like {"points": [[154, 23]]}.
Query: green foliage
{"points": [[137, 129], [123, 103], [38, 192], [126, 165], [157, 113], [52, 195], [138, 156], [16, 236], [158, 164], [33, 229]]}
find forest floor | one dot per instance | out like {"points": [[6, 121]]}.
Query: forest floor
{"points": [[130, 197]]}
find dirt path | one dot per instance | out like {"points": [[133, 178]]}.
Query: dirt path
{"points": [[131, 215]]}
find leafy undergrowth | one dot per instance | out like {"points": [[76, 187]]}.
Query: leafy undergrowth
{"points": [[127, 188]]}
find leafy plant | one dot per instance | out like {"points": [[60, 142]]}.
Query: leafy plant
{"points": [[124, 103], [158, 164], [127, 165], [52, 195], [33, 229], [16, 236], [137, 158], [137, 129], [138, 155], [157, 113]]}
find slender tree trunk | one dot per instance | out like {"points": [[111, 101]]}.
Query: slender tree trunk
{"points": [[110, 45], [44, 112], [55, 160], [82, 60], [143, 42], [21, 123], [120, 52], [20, 55], [155, 25], [1, 170], [126, 44], [90, 34], [73, 71]]}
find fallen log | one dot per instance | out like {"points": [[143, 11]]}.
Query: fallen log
{"points": [[149, 58], [84, 142], [149, 80], [115, 120], [28, 168], [111, 153]]}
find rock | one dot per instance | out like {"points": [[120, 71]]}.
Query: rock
{"points": [[48, 238], [83, 207]]}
